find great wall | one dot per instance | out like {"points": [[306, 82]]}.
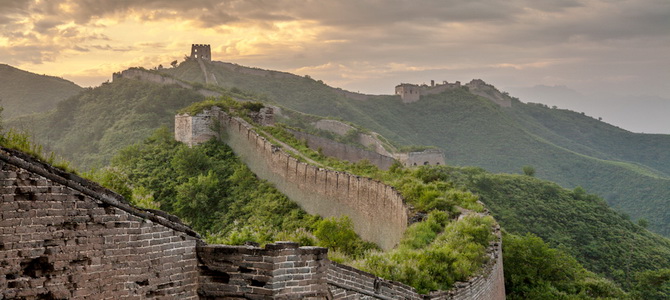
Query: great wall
{"points": [[377, 210], [64, 237], [412, 92]]}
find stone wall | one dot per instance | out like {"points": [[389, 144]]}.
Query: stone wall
{"points": [[483, 89], [144, 75], [343, 151], [63, 237], [334, 126], [377, 210], [194, 130], [432, 157], [349, 283], [408, 92]]}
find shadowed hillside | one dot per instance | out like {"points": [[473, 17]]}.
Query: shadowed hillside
{"points": [[23, 92]]}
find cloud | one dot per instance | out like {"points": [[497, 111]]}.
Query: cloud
{"points": [[348, 40]]}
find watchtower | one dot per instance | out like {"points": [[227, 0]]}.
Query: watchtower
{"points": [[408, 92], [201, 51]]}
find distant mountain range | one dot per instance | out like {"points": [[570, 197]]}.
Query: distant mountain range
{"points": [[644, 114], [23, 92]]}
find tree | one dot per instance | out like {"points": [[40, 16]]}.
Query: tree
{"points": [[533, 270], [654, 284], [174, 63], [643, 222], [528, 171]]}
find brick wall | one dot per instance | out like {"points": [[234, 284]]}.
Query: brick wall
{"points": [[431, 157], [144, 75], [279, 271], [349, 283], [63, 237]]}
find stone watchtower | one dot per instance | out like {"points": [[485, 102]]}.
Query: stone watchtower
{"points": [[201, 51]]}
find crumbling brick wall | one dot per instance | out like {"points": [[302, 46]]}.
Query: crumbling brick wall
{"points": [[343, 151], [279, 271], [63, 237]]}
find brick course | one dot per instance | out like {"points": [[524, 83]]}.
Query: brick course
{"points": [[63, 237]]}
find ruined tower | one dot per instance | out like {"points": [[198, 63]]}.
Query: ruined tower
{"points": [[408, 92], [201, 51]]}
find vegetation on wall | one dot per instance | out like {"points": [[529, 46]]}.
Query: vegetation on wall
{"points": [[436, 253], [567, 147], [629, 170], [598, 236], [579, 224]]}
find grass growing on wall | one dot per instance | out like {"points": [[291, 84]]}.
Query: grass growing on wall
{"points": [[22, 142]]}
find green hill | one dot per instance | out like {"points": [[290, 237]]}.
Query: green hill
{"points": [[629, 170], [582, 224], [23, 92], [91, 127]]}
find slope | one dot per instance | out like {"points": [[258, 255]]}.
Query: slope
{"points": [[628, 169], [23, 92]]}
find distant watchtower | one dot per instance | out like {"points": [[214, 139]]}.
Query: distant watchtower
{"points": [[201, 51]]}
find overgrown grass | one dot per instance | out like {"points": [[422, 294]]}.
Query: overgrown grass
{"points": [[22, 142], [435, 253]]}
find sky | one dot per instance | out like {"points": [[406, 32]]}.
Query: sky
{"points": [[618, 48]]}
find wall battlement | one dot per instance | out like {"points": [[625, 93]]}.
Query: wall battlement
{"points": [[412, 92], [201, 51], [144, 75], [377, 210]]}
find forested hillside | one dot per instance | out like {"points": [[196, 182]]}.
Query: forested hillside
{"points": [[629, 170], [23, 92], [91, 127], [582, 224]]}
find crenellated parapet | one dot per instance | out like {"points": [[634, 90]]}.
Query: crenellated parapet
{"points": [[201, 51], [378, 211], [412, 92]]}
